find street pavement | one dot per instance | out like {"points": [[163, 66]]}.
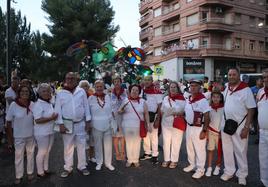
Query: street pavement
{"points": [[147, 175]]}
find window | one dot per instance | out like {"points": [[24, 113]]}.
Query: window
{"points": [[192, 19], [158, 31], [261, 45], [188, 1], [204, 16], [205, 42], [251, 45], [266, 43], [252, 22], [177, 6], [237, 18], [157, 12], [193, 43], [176, 27], [237, 44], [157, 51]]}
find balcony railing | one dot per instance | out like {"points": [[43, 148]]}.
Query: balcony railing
{"points": [[169, 31], [215, 20], [167, 10]]}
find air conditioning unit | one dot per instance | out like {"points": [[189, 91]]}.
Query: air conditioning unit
{"points": [[218, 10]]}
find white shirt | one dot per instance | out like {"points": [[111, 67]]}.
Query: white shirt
{"points": [[22, 122], [43, 109], [72, 106], [153, 100], [167, 110], [10, 93], [130, 118], [199, 106], [262, 109], [215, 119], [101, 117], [116, 103], [237, 103]]}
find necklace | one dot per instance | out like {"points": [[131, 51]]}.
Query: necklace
{"points": [[101, 101]]}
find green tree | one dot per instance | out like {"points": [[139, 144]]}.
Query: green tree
{"points": [[2, 43], [75, 20]]}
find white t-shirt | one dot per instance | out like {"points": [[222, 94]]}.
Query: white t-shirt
{"points": [[237, 103], [10, 93], [262, 103], [101, 117], [22, 122], [130, 118], [167, 110], [201, 105], [153, 100], [215, 119], [43, 109]]}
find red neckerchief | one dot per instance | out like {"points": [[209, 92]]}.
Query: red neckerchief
{"points": [[102, 97], [198, 97], [134, 99], [120, 93], [210, 88], [176, 97], [69, 89], [27, 106], [216, 106], [265, 93], [151, 90], [241, 86]]}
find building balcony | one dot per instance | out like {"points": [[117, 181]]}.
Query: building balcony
{"points": [[145, 34], [144, 5], [170, 13], [220, 3], [145, 19], [216, 24], [171, 34]]}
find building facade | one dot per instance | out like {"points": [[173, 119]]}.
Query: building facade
{"points": [[193, 38]]}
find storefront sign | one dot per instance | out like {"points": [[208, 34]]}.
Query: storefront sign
{"points": [[193, 69]]}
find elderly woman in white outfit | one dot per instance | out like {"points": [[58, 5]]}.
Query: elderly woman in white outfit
{"points": [[133, 110], [101, 111], [172, 105], [44, 118], [20, 115]]}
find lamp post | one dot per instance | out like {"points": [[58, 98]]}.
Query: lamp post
{"points": [[8, 44]]}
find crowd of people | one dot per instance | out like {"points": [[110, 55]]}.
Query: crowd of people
{"points": [[214, 118]]}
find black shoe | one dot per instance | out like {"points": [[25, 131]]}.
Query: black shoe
{"points": [[146, 157], [155, 160]]}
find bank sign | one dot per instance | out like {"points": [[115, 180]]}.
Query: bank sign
{"points": [[193, 69]]}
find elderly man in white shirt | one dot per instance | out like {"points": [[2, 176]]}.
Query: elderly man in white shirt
{"points": [[238, 108], [72, 105]]}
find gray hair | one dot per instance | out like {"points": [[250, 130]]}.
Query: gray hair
{"points": [[42, 87], [83, 82]]}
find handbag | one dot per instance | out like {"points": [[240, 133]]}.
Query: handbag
{"points": [[143, 130], [231, 125], [179, 121]]}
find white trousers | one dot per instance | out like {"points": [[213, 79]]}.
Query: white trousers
{"points": [[133, 144], [20, 145], [196, 148], [78, 139], [103, 141], [44, 144], [235, 146], [150, 142], [263, 156], [172, 139]]}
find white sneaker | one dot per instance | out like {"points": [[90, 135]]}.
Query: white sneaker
{"points": [[110, 167], [216, 170], [242, 181], [98, 167], [198, 174], [188, 169], [208, 173], [93, 160], [226, 177]]}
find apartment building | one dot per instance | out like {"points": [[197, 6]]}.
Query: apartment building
{"points": [[191, 38]]}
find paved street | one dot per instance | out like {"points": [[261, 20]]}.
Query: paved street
{"points": [[146, 175]]}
